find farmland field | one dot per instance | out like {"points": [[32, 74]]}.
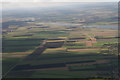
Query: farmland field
{"points": [[61, 43], [62, 55]]}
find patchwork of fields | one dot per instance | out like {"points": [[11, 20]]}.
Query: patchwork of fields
{"points": [[53, 52]]}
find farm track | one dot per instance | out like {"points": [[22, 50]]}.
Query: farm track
{"points": [[56, 66], [37, 52]]}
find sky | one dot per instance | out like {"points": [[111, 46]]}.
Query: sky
{"points": [[59, 0], [12, 4]]}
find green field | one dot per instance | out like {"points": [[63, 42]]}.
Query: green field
{"points": [[75, 53]]}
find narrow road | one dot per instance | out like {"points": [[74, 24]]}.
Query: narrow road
{"points": [[38, 51]]}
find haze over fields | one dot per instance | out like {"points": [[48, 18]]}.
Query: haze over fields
{"points": [[60, 40]]}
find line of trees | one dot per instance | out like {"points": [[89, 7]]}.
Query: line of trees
{"points": [[110, 48]]}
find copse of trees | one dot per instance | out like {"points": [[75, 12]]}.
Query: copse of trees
{"points": [[110, 48]]}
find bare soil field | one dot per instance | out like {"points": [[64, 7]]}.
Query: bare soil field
{"points": [[83, 50], [54, 50]]}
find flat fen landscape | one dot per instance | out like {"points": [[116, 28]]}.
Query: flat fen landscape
{"points": [[70, 40]]}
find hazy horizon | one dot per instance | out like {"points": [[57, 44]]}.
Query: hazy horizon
{"points": [[30, 5]]}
